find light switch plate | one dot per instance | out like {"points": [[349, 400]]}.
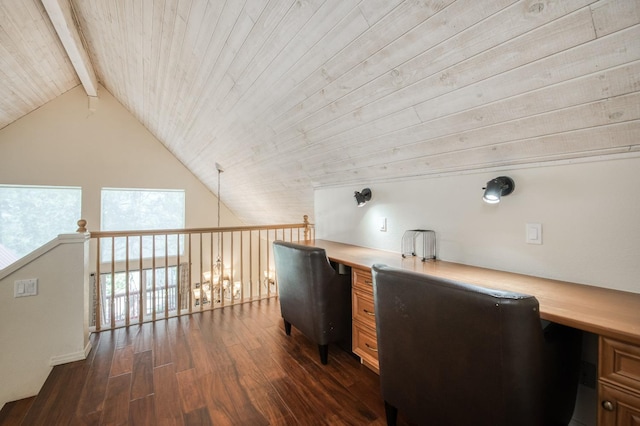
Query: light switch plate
{"points": [[23, 288], [533, 233]]}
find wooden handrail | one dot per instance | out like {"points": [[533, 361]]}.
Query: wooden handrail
{"points": [[101, 234]]}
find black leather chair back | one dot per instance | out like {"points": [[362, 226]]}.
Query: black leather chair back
{"points": [[457, 354], [314, 297]]}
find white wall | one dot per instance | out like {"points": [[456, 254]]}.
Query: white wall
{"points": [[64, 143], [589, 212], [37, 332]]}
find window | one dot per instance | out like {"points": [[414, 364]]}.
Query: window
{"points": [[142, 209], [31, 216]]}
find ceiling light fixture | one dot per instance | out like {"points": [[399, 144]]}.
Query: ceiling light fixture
{"points": [[496, 188], [363, 196]]}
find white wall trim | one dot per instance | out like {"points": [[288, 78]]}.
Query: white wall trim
{"points": [[70, 357]]}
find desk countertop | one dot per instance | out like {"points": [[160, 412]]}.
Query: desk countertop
{"points": [[602, 311]]}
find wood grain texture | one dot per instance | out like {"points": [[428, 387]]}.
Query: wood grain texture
{"points": [[606, 312], [13, 412], [291, 95], [259, 377]]}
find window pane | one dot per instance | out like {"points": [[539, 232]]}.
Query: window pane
{"points": [[142, 209], [31, 216]]}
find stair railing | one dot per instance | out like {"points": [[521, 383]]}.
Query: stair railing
{"points": [[142, 276]]}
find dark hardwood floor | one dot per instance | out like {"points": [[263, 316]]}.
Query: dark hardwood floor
{"points": [[229, 366]]}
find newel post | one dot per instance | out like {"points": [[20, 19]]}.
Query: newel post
{"points": [[307, 231]]}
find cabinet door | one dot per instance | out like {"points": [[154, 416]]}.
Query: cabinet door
{"points": [[618, 408]]}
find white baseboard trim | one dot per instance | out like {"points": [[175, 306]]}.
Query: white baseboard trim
{"points": [[71, 357]]}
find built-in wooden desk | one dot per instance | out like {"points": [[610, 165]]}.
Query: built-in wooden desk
{"points": [[613, 315]]}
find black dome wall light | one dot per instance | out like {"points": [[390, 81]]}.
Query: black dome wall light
{"points": [[496, 188], [362, 197]]}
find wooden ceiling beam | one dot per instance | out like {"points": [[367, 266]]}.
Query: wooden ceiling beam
{"points": [[61, 17]]}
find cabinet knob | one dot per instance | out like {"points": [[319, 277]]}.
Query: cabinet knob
{"points": [[607, 405]]}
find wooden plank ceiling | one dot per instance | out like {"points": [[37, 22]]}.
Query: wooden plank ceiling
{"points": [[288, 95]]}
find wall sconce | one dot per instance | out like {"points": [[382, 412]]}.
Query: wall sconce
{"points": [[362, 197], [496, 188]]}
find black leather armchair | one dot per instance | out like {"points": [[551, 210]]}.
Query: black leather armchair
{"points": [[456, 354], [314, 297]]}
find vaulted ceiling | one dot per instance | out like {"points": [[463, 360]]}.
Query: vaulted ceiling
{"points": [[291, 95]]}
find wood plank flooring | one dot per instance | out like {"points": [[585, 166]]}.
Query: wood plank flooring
{"points": [[229, 366]]}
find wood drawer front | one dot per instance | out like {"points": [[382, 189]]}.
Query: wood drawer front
{"points": [[363, 309], [624, 411], [362, 280], [365, 343], [620, 363]]}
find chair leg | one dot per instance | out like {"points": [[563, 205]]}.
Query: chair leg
{"points": [[287, 328], [392, 414], [324, 354]]}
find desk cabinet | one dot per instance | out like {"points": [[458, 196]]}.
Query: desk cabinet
{"points": [[618, 383], [365, 343]]}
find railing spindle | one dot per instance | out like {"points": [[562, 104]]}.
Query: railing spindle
{"points": [[166, 276], [242, 265], [154, 304], [232, 289], [190, 280], [126, 279], [222, 269], [113, 283], [178, 277], [142, 288], [251, 275]]}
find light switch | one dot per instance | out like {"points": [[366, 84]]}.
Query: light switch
{"points": [[533, 233], [383, 224]]}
